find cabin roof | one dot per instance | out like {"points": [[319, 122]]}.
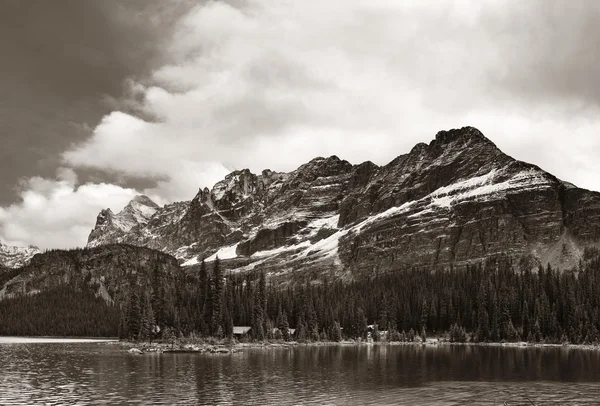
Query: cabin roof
{"points": [[241, 329]]}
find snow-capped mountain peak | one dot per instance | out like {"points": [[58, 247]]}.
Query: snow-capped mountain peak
{"points": [[15, 257], [111, 227]]}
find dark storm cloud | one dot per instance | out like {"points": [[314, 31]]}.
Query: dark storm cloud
{"points": [[59, 60]]}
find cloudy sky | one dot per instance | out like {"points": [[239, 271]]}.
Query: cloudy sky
{"points": [[102, 100]]}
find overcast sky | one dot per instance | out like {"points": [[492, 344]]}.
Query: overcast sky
{"points": [[102, 100]]}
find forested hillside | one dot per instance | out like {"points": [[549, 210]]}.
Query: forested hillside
{"points": [[63, 311], [497, 301]]}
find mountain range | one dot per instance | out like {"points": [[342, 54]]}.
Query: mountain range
{"points": [[455, 201]]}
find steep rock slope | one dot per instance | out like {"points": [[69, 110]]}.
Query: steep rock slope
{"points": [[112, 227], [459, 200], [454, 201], [257, 211], [15, 257]]}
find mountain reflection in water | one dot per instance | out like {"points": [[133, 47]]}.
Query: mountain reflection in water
{"points": [[35, 373]]}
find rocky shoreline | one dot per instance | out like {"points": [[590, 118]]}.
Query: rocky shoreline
{"points": [[218, 348], [235, 347], [159, 348]]}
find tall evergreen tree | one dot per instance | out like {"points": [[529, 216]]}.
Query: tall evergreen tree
{"points": [[148, 322], [158, 296], [203, 296], [217, 316], [123, 326], [134, 314], [483, 320], [284, 325], [228, 309], [336, 332], [525, 320], [258, 319], [207, 312]]}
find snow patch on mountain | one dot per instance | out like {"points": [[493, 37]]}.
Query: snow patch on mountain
{"points": [[482, 186], [224, 253], [16, 257], [328, 247], [143, 207], [326, 222], [281, 250], [137, 212], [191, 262], [228, 252]]}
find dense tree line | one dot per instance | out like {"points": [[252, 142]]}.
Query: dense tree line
{"points": [[66, 310], [496, 301]]}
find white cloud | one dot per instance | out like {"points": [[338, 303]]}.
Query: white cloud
{"points": [[274, 83], [57, 213]]}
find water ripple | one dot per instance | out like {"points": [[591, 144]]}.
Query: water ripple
{"points": [[96, 373]]}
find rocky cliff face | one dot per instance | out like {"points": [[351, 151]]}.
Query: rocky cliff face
{"points": [[15, 257], [452, 202], [112, 227]]}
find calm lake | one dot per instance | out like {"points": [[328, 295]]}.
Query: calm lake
{"points": [[104, 373]]}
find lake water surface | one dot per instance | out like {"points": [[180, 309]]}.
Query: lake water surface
{"points": [[104, 373]]}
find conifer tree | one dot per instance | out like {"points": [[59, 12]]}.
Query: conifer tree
{"points": [[217, 316], [284, 326], [258, 319], [158, 296], [424, 314], [301, 330], [134, 314], [525, 320], [227, 321], [383, 314], [313, 324], [360, 323], [203, 296], [336, 332], [483, 323], [376, 335], [123, 327], [148, 322], [207, 312]]}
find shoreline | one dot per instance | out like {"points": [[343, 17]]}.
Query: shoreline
{"points": [[54, 340], [227, 346], [235, 347]]}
